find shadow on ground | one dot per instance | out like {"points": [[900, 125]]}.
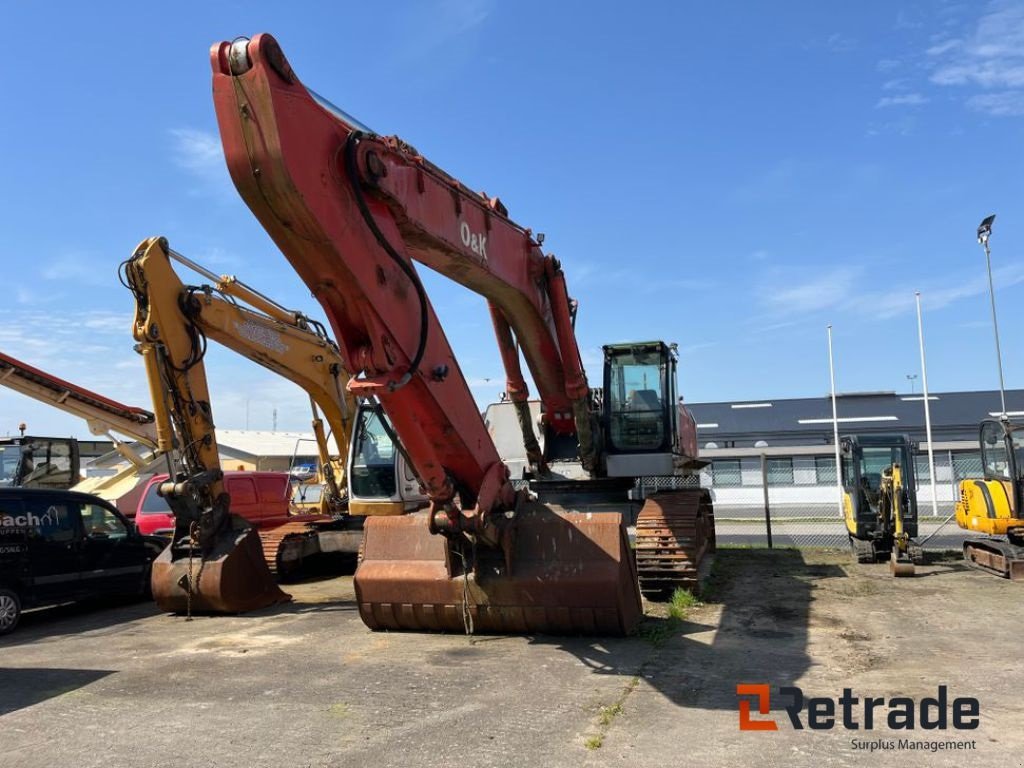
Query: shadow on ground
{"points": [[26, 686], [765, 598]]}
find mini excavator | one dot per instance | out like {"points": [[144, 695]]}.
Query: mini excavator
{"points": [[879, 500], [993, 504], [352, 211]]}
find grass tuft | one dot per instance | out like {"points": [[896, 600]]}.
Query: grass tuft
{"points": [[681, 603]]}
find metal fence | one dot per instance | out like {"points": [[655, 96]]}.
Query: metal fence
{"points": [[769, 502]]}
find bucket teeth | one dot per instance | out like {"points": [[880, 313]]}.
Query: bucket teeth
{"points": [[674, 531], [571, 573]]}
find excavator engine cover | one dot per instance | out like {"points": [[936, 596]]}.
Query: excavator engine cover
{"points": [[232, 577], [571, 573]]}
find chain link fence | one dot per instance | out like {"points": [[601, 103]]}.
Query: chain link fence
{"points": [[781, 501]]}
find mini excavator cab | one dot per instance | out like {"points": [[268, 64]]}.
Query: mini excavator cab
{"points": [[1002, 457]]}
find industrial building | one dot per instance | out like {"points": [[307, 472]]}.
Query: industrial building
{"points": [[791, 440]]}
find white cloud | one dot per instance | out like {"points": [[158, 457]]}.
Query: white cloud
{"points": [[990, 55], [845, 290], [197, 151], [998, 104], [826, 290], [903, 100]]}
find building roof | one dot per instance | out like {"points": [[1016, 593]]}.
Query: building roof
{"points": [[954, 416], [267, 444]]}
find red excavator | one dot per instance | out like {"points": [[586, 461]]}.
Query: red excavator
{"points": [[352, 210]]}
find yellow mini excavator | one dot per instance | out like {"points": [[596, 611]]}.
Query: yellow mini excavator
{"points": [[992, 505], [879, 500]]}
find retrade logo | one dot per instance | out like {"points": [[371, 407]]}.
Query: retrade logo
{"points": [[761, 694], [855, 712]]}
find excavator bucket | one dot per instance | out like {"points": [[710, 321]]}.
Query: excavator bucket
{"points": [[571, 573], [232, 578], [900, 563]]}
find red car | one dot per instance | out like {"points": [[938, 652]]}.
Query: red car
{"points": [[262, 498]]}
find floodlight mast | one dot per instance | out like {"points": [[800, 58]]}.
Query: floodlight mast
{"points": [[984, 232]]}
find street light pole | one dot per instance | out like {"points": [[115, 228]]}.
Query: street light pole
{"points": [[984, 232], [912, 377], [835, 423], [927, 408]]}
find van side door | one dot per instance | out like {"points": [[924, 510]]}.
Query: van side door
{"points": [[54, 547], [114, 558], [14, 535]]}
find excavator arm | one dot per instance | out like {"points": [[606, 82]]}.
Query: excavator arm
{"points": [[286, 342], [351, 211], [215, 560]]}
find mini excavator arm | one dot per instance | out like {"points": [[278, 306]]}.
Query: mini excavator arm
{"points": [[172, 348], [286, 342]]}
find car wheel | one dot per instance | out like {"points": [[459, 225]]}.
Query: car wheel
{"points": [[10, 610]]}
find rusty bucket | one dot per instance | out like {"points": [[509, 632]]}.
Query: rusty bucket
{"points": [[232, 578], [571, 573]]}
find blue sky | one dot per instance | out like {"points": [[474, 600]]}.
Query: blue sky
{"points": [[730, 176]]}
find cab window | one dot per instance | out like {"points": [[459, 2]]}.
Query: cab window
{"points": [[995, 459], [100, 523]]}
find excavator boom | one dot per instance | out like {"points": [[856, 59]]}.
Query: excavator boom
{"points": [[351, 211]]}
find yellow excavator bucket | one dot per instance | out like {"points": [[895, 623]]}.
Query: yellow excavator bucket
{"points": [[232, 577], [571, 573]]}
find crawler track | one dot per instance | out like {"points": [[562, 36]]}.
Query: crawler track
{"points": [[996, 556], [275, 540], [674, 532]]}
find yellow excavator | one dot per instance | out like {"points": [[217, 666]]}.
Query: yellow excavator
{"points": [[215, 561], [993, 504], [879, 500]]}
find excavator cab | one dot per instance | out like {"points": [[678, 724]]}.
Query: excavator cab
{"points": [[879, 499], [380, 479], [39, 462], [641, 422]]}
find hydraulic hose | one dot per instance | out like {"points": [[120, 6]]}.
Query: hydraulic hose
{"points": [[352, 171]]}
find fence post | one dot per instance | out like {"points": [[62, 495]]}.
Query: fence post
{"points": [[767, 509], [952, 478]]}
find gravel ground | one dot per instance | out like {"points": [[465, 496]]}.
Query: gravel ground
{"points": [[307, 684]]}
